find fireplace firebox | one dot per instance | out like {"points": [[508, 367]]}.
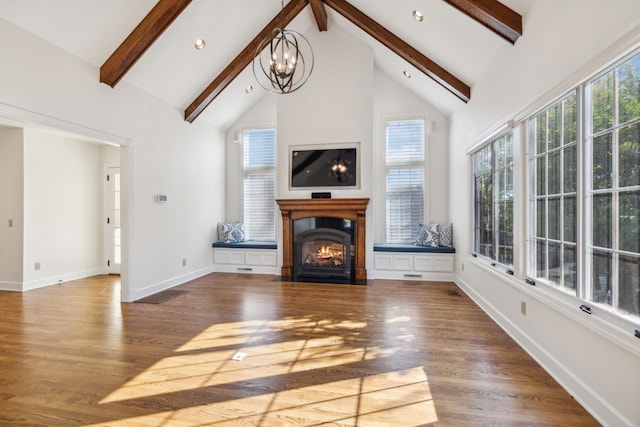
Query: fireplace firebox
{"points": [[323, 254]]}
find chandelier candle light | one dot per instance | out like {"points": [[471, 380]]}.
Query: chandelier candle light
{"points": [[280, 66]]}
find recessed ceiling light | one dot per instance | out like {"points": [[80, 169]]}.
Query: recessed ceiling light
{"points": [[199, 44], [249, 89], [417, 15], [406, 74]]}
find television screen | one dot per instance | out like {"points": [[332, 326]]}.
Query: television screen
{"points": [[324, 168]]}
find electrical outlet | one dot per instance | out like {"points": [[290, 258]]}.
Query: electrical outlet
{"points": [[184, 262], [462, 267], [36, 266], [523, 308]]}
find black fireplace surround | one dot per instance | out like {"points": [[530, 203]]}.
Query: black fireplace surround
{"points": [[324, 254]]}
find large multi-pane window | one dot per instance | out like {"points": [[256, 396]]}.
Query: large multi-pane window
{"points": [[593, 181], [553, 133], [405, 156], [259, 162], [614, 187], [493, 199]]}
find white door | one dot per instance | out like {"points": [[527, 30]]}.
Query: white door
{"points": [[113, 234]]}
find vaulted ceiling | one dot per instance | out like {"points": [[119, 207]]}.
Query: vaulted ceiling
{"points": [[150, 43]]}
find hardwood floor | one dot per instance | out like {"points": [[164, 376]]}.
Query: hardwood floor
{"points": [[392, 353]]}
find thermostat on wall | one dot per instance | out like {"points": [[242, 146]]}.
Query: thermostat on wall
{"points": [[161, 198]]}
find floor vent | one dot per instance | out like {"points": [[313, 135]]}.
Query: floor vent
{"points": [[161, 297], [453, 293]]}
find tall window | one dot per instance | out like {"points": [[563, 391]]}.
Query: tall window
{"points": [[603, 176], [405, 152], [614, 187], [259, 163], [493, 200], [553, 133]]}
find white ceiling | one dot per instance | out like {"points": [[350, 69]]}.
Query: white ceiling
{"points": [[174, 71]]}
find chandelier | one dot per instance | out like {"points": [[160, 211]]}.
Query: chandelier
{"points": [[280, 65]]}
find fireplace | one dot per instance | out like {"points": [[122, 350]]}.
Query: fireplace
{"points": [[352, 211], [322, 254]]}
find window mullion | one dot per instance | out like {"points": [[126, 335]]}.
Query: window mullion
{"points": [[495, 212], [615, 197], [585, 199]]}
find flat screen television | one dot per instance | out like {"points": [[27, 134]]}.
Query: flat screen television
{"points": [[336, 167]]}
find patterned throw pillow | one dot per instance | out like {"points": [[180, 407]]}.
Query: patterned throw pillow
{"points": [[446, 235], [429, 235], [421, 238], [230, 232]]}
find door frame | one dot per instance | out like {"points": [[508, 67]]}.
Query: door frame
{"points": [[107, 220]]}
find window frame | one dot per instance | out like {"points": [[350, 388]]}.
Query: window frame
{"points": [[413, 164], [533, 196], [488, 142], [585, 136], [259, 169]]}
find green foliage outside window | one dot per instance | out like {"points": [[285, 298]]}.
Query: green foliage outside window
{"points": [[493, 200], [610, 159]]}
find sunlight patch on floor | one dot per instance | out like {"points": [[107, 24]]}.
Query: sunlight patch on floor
{"points": [[281, 380], [365, 401]]}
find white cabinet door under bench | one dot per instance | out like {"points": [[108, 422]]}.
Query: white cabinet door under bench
{"points": [[409, 262], [245, 257]]}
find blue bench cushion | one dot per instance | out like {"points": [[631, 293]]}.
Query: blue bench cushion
{"points": [[247, 244], [413, 248]]}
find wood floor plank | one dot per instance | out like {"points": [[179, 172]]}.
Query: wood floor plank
{"points": [[392, 353]]}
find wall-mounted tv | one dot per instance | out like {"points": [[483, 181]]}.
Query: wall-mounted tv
{"points": [[336, 167]]}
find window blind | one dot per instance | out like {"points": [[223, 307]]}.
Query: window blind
{"points": [[259, 161], [405, 149]]}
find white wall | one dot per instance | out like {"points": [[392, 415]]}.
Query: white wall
{"points": [[110, 154], [161, 153], [11, 208], [562, 43], [63, 209], [334, 107]]}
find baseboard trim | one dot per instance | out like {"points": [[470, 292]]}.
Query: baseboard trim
{"points": [[61, 278], [171, 283], [246, 269], [10, 286], [411, 275]]}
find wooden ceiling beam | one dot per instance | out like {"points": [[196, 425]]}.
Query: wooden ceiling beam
{"points": [[494, 15], [140, 39], [320, 13], [402, 49], [240, 62]]}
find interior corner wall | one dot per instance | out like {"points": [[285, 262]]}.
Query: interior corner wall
{"points": [[63, 209], [394, 101], [261, 115], [563, 42], [11, 208]]}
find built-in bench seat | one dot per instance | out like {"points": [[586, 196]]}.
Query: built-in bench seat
{"points": [[249, 244], [413, 262], [379, 247], [245, 257]]}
